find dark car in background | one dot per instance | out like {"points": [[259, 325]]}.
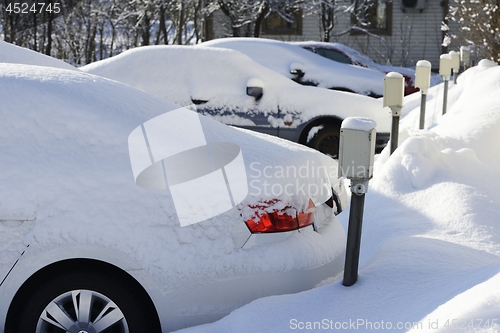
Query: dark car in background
{"points": [[344, 54]]}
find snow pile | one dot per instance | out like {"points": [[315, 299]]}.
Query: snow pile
{"points": [[430, 254], [217, 79], [14, 54], [282, 57]]}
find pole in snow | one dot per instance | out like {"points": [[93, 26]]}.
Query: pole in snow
{"points": [[445, 71], [423, 82], [356, 154]]}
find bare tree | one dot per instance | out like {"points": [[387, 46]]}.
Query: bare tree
{"points": [[479, 24]]}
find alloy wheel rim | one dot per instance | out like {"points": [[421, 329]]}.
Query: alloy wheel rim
{"points": [[82, 311]]}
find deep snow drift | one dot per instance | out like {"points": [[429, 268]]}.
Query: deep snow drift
{"points": [[430, 254]]}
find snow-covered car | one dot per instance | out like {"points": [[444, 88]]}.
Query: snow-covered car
{"points": [[13, 54], [90, 234], [344, 54], [303, 67], [228, 86]]}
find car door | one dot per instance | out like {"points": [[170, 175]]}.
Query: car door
{"points": [[254, 119], [18, 203]]}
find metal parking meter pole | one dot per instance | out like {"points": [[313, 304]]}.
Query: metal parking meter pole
{"points": [[423, 82], [423, 102], [356, 155], [354, 234], [445, 64], [393, 98], [396, 113]]}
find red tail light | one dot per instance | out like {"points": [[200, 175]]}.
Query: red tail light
{"points": [[280, 221]]}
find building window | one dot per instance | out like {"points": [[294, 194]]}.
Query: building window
{"points": [[374, 16], [275, 24]]}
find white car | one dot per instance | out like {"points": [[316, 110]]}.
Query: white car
{"points": [[90, 234], [305, 67], [13, 54], [228, 86]]}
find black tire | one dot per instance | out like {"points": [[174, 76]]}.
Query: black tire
{"points": [[327, 140], [79, 287]]}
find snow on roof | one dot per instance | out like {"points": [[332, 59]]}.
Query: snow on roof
{"points": [[430, 251], [10, 53], [279, 56]]}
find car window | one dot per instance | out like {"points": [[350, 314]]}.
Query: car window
{"points": [[334, 55]]}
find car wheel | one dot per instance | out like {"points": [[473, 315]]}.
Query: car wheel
{"points": [[85, 302], [327, 140]]}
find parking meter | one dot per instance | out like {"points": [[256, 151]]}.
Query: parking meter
{"points": [[394, 87], [356, 155]]}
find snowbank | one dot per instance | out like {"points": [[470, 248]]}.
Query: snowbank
{"points": [[430, 255]]}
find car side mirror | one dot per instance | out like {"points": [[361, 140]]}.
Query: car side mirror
{"points": [[295, 69], [255, 88], [297, 72]]}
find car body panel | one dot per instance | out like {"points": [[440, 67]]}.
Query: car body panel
{"points": [[215, 297]]}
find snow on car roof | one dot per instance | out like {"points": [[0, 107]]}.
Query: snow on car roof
{"points": [[10, 53], [184, 73], [64, 136], [279, 56], [365, 60], [353, 54]]}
